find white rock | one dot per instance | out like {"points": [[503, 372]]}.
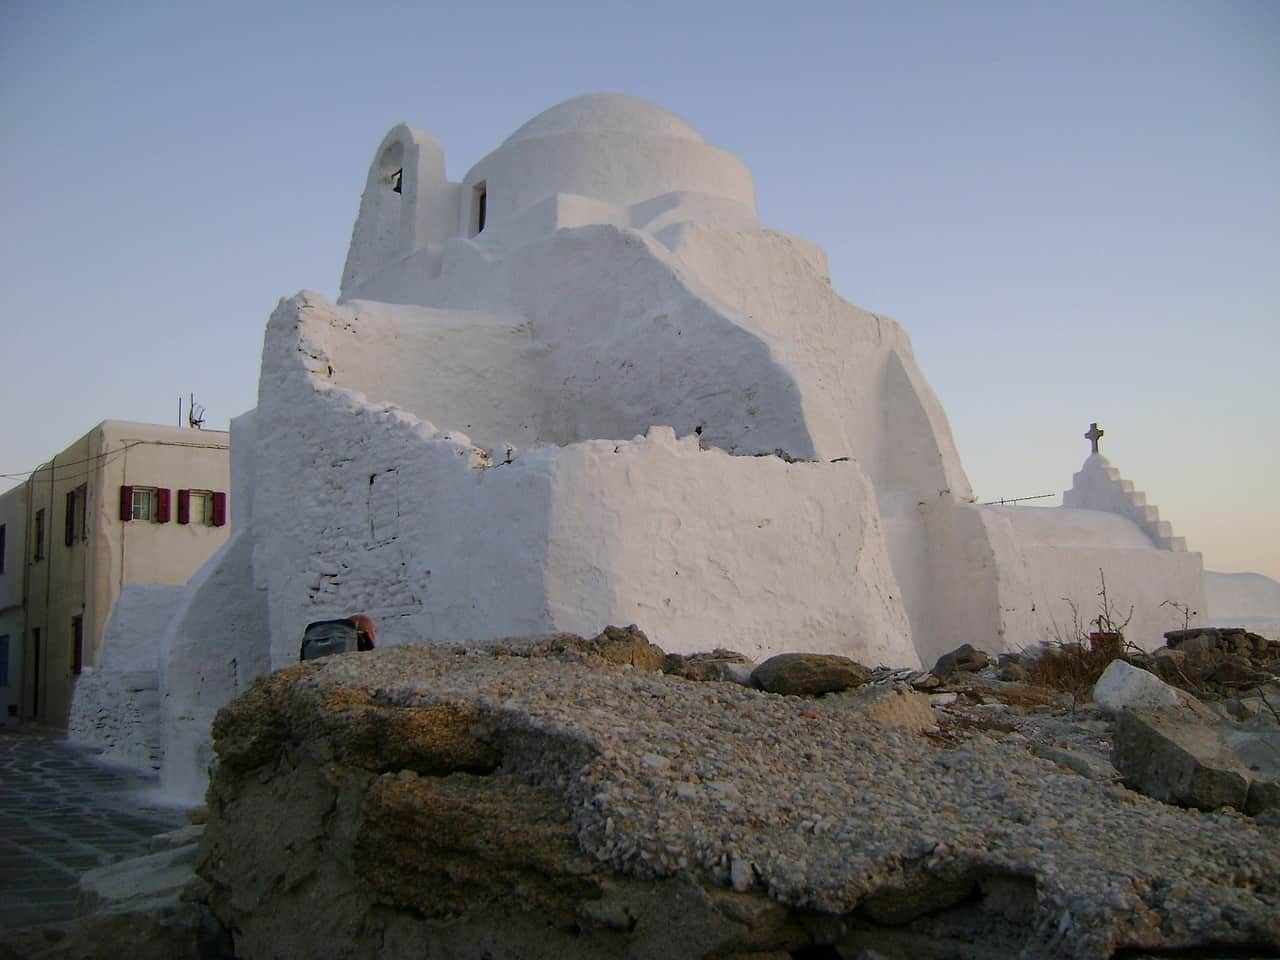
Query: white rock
{"points": [[1123, 685]]}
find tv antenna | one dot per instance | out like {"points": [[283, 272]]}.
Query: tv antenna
{"points": [[195, 413]]}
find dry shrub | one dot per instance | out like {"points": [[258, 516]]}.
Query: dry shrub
{"points": [[1071, 667]]}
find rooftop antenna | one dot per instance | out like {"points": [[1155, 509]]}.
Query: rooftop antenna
{"points": [[195, 413]]}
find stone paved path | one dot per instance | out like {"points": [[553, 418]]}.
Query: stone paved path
{"points": [[63, 812]]}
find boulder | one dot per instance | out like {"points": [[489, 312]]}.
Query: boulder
{"points": [[1171, 756], [1123, 685], [808, 674], [627, 645], [625, 814], [964, 658]]}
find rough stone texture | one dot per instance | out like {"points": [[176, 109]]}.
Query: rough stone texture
{"points": [[1122, 685], [149, 907], [1173, 757], [719, 664], [139, 883], [440, 801], [187, 931], [119, 712], [893, 705], [963, 657], [808, 674], [625, 646]]}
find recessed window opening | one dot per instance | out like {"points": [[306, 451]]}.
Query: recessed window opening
{"points": [[39, 535], [75, 527], [479, 206], [195, 506], [391, 167]]}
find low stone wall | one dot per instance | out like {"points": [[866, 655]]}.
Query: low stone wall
{"points": [[119, 712]]}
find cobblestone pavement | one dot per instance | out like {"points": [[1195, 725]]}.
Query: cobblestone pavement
{"points": [[62, 812]]}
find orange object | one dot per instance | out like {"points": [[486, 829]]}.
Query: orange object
{"points": [[366, 631]]}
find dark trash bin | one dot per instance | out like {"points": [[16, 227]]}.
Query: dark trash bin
{"points": [[326, 637]]}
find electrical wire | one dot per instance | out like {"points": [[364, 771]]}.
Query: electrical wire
{"points": [[125, 445]]}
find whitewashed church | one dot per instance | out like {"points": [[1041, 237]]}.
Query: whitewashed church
{"points": [[584, 386]]}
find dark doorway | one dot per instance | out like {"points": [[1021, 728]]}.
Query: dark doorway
{"points": [[77, 644], [480, 206], [35, 673]]}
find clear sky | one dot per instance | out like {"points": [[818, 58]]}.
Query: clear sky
{"points": [[1073, 208]]}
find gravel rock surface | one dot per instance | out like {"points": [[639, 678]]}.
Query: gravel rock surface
{"points": [[807, 802]]}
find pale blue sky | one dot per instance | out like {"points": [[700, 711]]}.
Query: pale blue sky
{"points": [[1073, 208]]}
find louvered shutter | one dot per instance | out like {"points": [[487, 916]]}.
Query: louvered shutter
{"points": [[163, 496], [184, 506], [219, 509], [69, 524], [126, 503]]}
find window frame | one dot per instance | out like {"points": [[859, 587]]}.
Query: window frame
{"points": [[151, 499], [187, 513], [75, 517]]}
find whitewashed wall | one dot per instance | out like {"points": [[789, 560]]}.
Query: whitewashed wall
{"points": [[116, 705]]}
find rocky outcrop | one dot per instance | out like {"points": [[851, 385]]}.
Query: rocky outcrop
{"points": [[1216, 661], [718, 665], [1174, 757], [808, 674], [472, 802], [1172, 747], [964, 657]]}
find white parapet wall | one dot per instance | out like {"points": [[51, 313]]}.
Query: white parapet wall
{"points": [[116, 705]]}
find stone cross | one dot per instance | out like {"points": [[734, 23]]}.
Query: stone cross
{"points": [[1094, 435]]}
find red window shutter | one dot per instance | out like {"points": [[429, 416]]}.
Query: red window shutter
{"points": [[126, 503], [69, 520], [219, 509], [163, 497], [184, 506]]}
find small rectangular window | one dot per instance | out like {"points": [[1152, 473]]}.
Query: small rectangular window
{"points": [[74, 518], [4, 660], [39, 535], [144, 503]]}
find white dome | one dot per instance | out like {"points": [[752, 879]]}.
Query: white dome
{"points": [[606, 112]]}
